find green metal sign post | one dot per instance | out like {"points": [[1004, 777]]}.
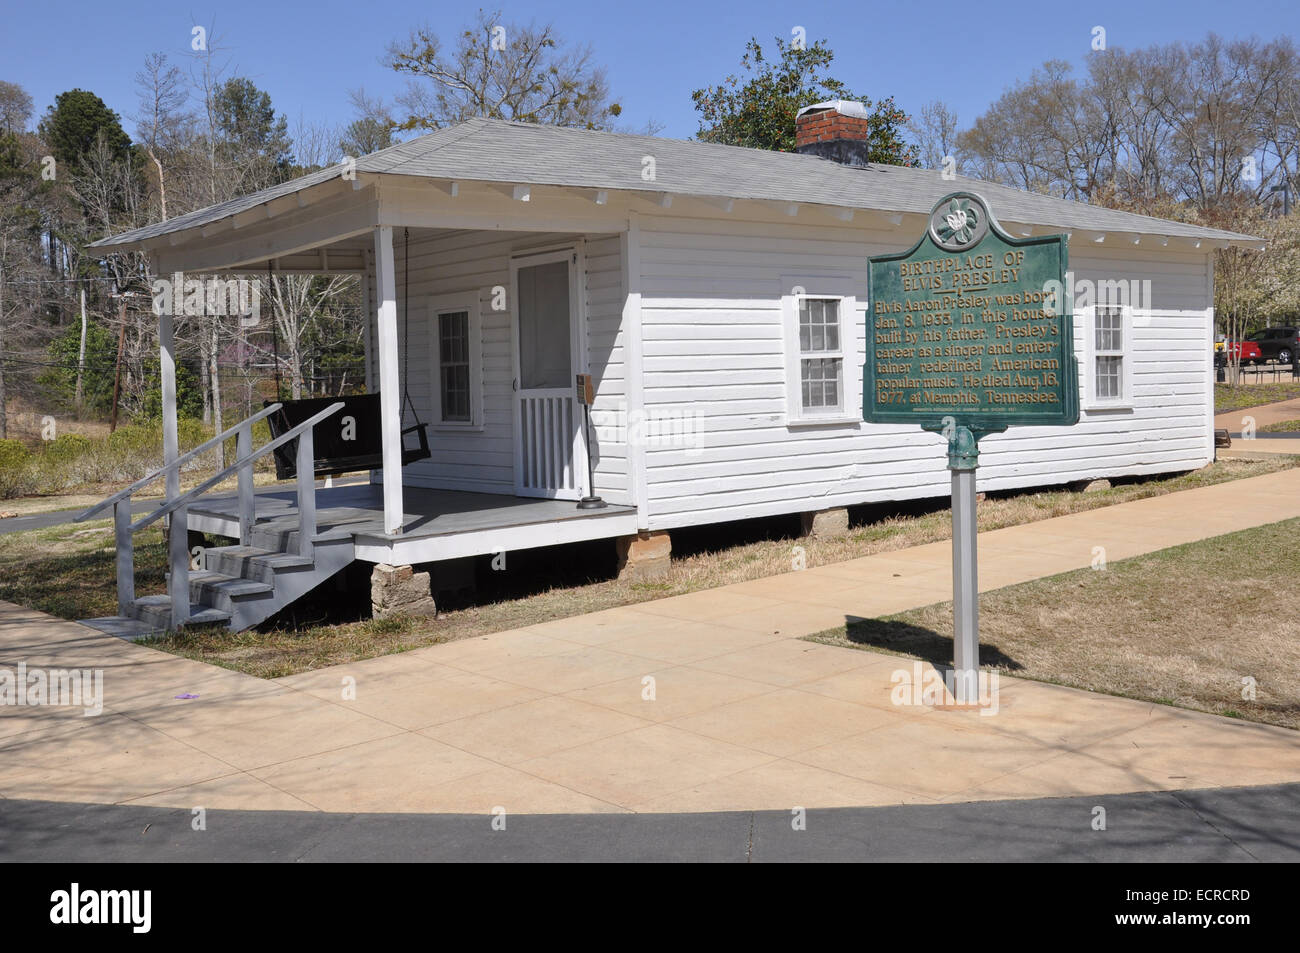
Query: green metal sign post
{"points": [[969, 332]]}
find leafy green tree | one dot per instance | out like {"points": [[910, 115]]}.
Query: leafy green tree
{"points": [[189, 393], [366, 135], [250, 132], [758, 109], [75, 122], [60, 380]]}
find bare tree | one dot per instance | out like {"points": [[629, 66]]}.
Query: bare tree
{"points": [[163, 97], [935, 131], [501, 71], [15, 108], [297, 301]]}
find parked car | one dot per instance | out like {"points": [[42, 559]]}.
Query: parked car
{"points": [[1244, 352], [1277, 344]]}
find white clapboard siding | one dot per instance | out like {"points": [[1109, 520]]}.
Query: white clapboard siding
{"points": [[444, 263], [714, 349], [607, 363]]}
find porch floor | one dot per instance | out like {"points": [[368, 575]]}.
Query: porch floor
{"points": [[437, 523]]}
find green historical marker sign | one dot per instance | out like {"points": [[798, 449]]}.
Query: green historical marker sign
{"points": [[968, 333], [965, 327]]}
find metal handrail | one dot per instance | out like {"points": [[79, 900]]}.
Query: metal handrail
{"points": [[177, 463], [208, 484]]}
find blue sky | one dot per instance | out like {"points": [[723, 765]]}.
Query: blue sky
{"points": [[308, 55]]}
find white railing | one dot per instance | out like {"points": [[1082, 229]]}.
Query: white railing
{"points": [[178, 553]]}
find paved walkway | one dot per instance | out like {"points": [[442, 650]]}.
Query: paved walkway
{"points": [[1206, 826], [704, 702], [1265, 415], [1264, 444]]}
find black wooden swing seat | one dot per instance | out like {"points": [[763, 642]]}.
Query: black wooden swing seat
{"points": [[347, 441]]}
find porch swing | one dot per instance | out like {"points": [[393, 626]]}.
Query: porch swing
{"points": [[340, 445]]}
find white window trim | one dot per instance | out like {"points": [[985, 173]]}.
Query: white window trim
{"points": [[840, 288], [467, 301], [1091, 402]]}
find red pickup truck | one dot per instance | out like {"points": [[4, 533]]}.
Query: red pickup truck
{"points": [[1244, 352]]}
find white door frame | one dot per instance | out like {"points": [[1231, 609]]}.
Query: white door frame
{"points": [[575, 470]]}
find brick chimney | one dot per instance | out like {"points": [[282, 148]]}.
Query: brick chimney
{"points": [[836, 130]]}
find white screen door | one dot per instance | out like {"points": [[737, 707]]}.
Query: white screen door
{"points": [[549, 447]]}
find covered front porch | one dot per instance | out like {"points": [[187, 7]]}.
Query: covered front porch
{"points": [[436, 524], [482, 304], [481, 307]]}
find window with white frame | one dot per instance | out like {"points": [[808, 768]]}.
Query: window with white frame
{"points": [[822, 364], [455, 361], [821, 358], [1108, 335]]}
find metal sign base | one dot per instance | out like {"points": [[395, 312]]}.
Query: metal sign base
{"points": [[965, 589], [963, 459]]}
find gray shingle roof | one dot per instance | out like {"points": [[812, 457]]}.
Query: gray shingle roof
{"points": [[489, 150]]}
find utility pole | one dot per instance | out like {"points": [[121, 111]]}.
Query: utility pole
{"points": [[1285, 189]]}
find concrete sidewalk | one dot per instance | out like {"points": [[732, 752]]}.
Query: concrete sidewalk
{"points": [[704, 702], [1263, 445], [1265, 415]]}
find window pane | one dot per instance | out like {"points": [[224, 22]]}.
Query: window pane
{"points": [[454, 337], [455, 392], [819, 325], [1109, 333], [453, 361], [821, 382], [1108, 377]]}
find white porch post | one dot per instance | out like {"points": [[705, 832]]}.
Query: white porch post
{"points": [[178, 524], [368, 315], [167, 371], [390, 400]]}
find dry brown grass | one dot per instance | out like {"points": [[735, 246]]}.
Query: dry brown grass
{"points": [[284, 650], [1182, 626], [68, 570], [28, 426]]}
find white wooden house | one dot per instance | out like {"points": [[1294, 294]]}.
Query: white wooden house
{"points": [[501, 259]]}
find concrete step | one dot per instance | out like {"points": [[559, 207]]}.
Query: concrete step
{"points": [[253, 562], [157, 611], [121, 627], [220, 591]]}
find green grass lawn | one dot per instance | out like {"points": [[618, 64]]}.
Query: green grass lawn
{"points": [[1228, 398], [1284, 426], [1183, 626]]}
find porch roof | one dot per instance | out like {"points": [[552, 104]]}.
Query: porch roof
{"points": [[501, 152]]}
